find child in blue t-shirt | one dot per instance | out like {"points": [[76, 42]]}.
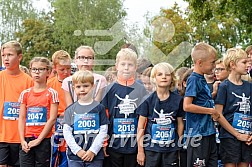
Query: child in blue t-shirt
{"points": [[234, 101], [199, 105], [121, 101], [161, 120], [85, 124]]}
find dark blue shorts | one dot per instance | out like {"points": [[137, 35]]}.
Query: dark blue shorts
{"points": [[235, 151]]}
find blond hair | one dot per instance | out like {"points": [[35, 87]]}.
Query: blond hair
{"points": [[168, 69], [126, 54], [233, 55], [59, 56], [13, 44], [83, 76], [202, 51], [84, 47], [219, 61], [248, 49]]}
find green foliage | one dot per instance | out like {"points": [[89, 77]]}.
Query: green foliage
{"points": [[73, 17], [12, 14], [221, 23], [170, 30], [37, 40]]}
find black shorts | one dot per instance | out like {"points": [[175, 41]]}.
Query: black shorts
{"points": [[203, 152], [9, 154], [38, 156], [235, 151], [121, 160], [156, 159]]}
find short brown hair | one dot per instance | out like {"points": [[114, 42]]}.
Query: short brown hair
{"points": [[202, 51], [248, 49]]}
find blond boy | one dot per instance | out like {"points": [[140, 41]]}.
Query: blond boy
{"points": [[121, 100], [12, 82]]}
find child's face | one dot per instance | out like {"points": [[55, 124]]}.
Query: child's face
{"points": [[126, 68], [207, 65], [83, 90], [10, 58], [147, 84], [63, 70], [220, 72], [85, 59], [39, 72], [241, 66], [163, 79]]}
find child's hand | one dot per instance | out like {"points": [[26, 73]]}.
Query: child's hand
{"points": [[34, 143], [140, 158], [243, 137], [25, 147], [81, 153], [249, 142], [105, 152], [89, 156]]}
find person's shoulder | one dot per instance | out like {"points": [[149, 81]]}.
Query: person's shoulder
{"points": [[175, 95], [98, 76], [52, 80], [68, 79], [26, 91]]}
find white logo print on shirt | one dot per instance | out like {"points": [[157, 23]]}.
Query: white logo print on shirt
{"points": [[244, 104], [127, 106], [164, 119]]}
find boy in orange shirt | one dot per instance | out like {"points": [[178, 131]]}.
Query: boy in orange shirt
{"points": [[62, 65], [12, 83]]}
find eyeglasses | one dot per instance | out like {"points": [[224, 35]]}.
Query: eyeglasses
{"points": [[40, 70], [88, 58], [219, 69]]}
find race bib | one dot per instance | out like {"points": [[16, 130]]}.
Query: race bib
{"points": [[59, 125], [125, 127], [242, 123], [36, 116], [162, 134], [11, 110], [86, 123]]}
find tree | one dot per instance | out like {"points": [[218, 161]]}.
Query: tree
{"points": [[12, 14], [221, 23], [37, 39], [72, 18], [171, 37]]}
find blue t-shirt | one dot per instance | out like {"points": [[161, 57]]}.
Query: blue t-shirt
{"points": [[154, 109], [199, 124], [93, 109], [235, 99], [121, 102]]}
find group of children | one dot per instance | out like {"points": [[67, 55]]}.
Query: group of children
{"points": [[80, 120]]}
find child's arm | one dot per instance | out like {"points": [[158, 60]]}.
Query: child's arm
{"points": [[21, 127], [190, 107], [215, 88], [180, 126], [48, 126], [226, 125], [68, 136], [68, 98], [99, 95], [97, 144], [140, 136]]}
